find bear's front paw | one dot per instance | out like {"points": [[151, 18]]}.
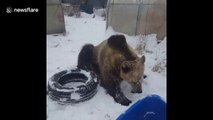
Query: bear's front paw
{"points": [[123, 100]]}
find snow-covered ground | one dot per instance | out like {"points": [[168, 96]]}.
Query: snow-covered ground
{"points": [[62, 53]]}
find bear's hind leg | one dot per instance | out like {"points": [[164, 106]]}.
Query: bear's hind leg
{"points": [[85, 57]]}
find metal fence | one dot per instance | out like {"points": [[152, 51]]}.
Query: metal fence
{"points": [[135, 17], [55, 17]]}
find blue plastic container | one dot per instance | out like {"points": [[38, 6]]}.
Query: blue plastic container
{"points": [[150, 108]]}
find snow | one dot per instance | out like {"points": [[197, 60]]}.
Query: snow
{"points": [[75, 96], [62, 53], [87, 75], [73, 84]]}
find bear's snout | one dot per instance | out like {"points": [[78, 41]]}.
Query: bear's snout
{"points": [[137, 90]]}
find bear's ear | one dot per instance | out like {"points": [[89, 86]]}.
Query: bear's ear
{"points": [[127, 66], [143, 59], [117, 42]]}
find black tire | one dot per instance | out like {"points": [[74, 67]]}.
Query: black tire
{"points": [[62, 94]]}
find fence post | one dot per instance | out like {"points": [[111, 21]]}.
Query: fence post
{"points": [[138, 17]]}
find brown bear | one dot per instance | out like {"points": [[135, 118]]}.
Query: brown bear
{"points": [[113, 61]]}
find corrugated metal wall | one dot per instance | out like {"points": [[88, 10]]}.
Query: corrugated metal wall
{"points": [[55, 17], [135, 17]]}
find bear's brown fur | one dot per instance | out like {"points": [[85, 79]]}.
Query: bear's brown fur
{"points": [[113, 61]]}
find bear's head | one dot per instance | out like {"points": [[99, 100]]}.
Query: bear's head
{"points": [[133, 72]]}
